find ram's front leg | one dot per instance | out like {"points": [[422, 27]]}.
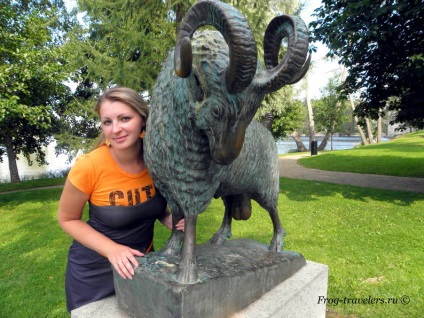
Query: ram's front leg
{"points": [[187, 271]]}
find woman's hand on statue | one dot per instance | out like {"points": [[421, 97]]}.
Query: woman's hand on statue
{"points": [[180, 225], [123, 260]]}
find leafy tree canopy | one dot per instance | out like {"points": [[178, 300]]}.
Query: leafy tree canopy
{"points": [[123, 42], [382, 45], [32, 72], [330, 111]]}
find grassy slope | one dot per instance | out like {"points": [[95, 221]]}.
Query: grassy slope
{"points": [[403, 156]]}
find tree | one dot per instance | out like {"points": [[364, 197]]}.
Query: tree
{"points": [[311, 117], [77, 126], [119, 43], [32, 71], [286, 111], [259, 13], [306, 124], [382, 45], [330, 111], [124, 42], [357, 122]]}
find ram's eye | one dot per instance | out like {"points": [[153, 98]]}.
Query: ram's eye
{"points": [[216, 111], [199, 94]]}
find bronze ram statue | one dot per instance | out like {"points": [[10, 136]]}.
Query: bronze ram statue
{"points": [[201, 140]]}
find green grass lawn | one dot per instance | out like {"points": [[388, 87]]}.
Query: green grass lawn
{"points": [[370, 239], [403, 156]]}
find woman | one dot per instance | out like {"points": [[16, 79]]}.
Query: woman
{"points": [[123, 202]]}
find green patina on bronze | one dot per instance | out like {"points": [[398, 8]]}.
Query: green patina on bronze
{"points": [[201, 140]]}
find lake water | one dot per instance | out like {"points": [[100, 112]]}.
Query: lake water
{"points": [[59, 163], [336, 143], [55, 166]]}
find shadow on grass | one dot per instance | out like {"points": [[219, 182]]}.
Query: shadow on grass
{"points": [[306, 190], [10, 200]]}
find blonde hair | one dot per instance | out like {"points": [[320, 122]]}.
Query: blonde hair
{"points": [[127, 96]]}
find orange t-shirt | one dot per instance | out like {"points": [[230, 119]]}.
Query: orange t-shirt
{"points": [[99, 176]]}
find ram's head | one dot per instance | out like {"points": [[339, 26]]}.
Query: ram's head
{"points": [[226, 83]]}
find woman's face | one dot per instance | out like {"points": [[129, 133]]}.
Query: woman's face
{"points": [[121, 124]]}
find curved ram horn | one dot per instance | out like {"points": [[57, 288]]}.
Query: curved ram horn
{"points": [[236, 32], [294, 64]]}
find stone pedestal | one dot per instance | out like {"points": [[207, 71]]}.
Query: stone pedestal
{"points": [[296, 297], [231, 277]]}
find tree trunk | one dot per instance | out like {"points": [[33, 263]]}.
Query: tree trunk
{"points": [[180, 13], [369, 131], [361, 132], [11, 156], [356, 119], [379, 129], [299, 143], [310, 113], [324, 141]]}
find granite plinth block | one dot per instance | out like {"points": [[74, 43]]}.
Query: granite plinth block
{"points": [[231, 277], [295, 297]]}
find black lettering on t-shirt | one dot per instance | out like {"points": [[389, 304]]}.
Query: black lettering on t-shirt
{"points": [[148, 191], [130, 197], [137, 196], [112, 195]]}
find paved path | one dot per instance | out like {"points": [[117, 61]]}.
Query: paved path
{"points": [[39, 188], [289, 168]]}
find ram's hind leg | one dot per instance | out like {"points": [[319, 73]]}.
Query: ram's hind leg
{"points": [[174, 244], [224, 231], [277, 242], [237, 207]]}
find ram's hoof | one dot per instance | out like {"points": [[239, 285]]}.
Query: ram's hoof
{"points": [[167, 251], [277, 244], [187, 274], [218, 239]]}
